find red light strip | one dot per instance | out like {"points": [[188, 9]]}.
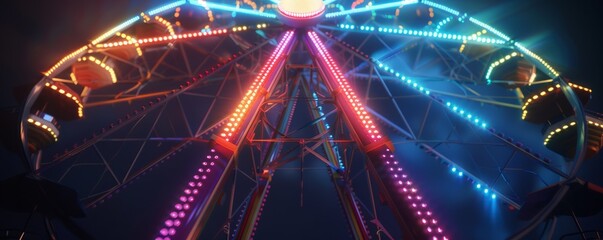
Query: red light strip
{"points": [[403, 183], [232, 126], [162, 39]]}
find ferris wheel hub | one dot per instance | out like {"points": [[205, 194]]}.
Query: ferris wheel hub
{"points": [[301, 13]]}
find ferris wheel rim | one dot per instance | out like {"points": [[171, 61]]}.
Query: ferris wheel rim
{"points": [[578, 157]]}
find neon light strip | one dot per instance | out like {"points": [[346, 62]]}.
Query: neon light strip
{"points": [[233, 9], [500, 61], [238, 29], [118, 28], [76, 53], [80, 107], [417, 87], [232, 126], [527, 51], [475, 35], [327, 2], [335, 149], [145, 18], [562, 126], [490, 28], [415, 201], [441, 7], [338, 6], [479, 184], [252, 4], [544, 93], [469, 117], [163, 39], [404, 183], [457, 110], [102, 65], [260, 26], [442, 23], [361, 114], [41, 123], [132, 40], [448, 36], [371, 8], [166, 7], [520, 47], [471, 38], [165, 23], [186, 201]]}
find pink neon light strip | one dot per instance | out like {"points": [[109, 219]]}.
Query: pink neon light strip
{"points": [[232, 126], [186, 201], [345, 87], [403, 183]]}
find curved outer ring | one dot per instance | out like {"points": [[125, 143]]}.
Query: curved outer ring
{"points": [[578, 158]]}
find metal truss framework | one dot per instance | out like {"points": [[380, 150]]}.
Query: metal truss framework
{"points": [[265, 136]]}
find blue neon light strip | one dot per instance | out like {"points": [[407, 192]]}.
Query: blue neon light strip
{"points": [[327, 2], [371, 8], [458, 171], [166, 7], [335, 149], [551, 71], [338, 6], [498, 62], [478, 184], [489, 28], [472, 118], [115, 29], [420, 33], [442, 23], [233, 9], [441, 7]]}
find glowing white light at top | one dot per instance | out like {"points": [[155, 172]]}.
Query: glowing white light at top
{"points": [[301, 6]]}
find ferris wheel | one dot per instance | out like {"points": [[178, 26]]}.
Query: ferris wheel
{"points": [[326, 120]]}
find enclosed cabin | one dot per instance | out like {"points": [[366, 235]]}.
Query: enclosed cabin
{"points": [[56, 101], [93, 73], [562, 136], [548, 104]]}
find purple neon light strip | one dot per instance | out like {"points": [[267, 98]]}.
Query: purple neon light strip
{"points": [[403, 183], [190, 196], [186, 202]]}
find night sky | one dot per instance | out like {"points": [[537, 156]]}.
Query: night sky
{"points": [[36, 34]]}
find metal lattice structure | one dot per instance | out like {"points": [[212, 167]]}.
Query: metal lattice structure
{"points": [[194, 111]]}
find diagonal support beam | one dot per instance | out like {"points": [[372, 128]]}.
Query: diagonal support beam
{"points": [[414, 216], [232, 136], [250, 218], [344, 191]]}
